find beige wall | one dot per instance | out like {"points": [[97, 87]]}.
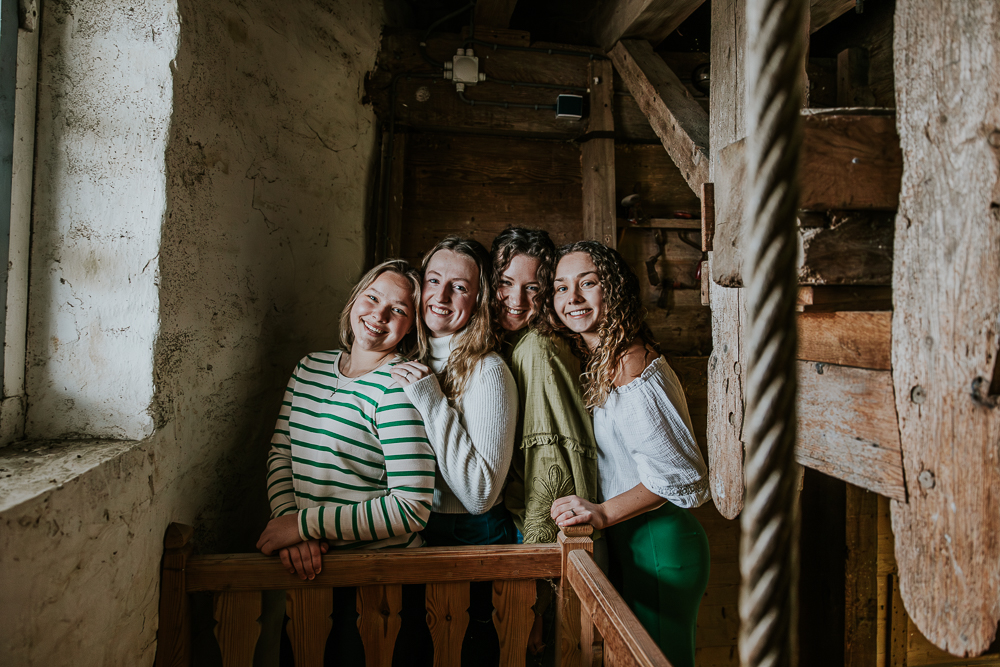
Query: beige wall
{"points": [[234, 164]]}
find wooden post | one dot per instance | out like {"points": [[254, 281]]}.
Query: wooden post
{"points": [[447, 619], [513, 617], [237, 628], [860, 580], [568, 652], [597, 158], [379, 621], [173, 637], [309, 623]]}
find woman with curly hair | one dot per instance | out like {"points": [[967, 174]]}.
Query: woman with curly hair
{"points": [[555, 453], [649, 466]]}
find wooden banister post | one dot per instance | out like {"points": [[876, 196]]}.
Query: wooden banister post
{"points": [[571, 538], [173, 637]]}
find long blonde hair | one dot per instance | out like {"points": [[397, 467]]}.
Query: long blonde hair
{"points": [[624, 321], [477, 338], [414, 344]]}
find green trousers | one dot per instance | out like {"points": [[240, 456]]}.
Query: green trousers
{"points": [[659, 563]]}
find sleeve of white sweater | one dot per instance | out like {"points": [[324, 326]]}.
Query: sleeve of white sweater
{"points": [[474, 447]]}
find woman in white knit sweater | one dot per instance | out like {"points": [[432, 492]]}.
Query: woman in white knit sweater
{"points": [[468, 401], [466, 396]]}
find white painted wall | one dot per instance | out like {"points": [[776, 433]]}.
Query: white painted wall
{"points": [[247, 184], [105, 102]]}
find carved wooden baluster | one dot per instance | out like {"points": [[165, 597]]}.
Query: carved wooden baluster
{"points": [[237, 627], [568, 640], [591, 645], [379, 622], [309, 626], [173, 648], [513, 617], [447, 619]]}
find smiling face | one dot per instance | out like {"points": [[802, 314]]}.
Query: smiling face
{"points": [[382, 314], [451, 286], [516, 292], [579, 297]]}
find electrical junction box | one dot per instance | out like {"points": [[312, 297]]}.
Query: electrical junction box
{"points": [[464, 68], [569, 106]]}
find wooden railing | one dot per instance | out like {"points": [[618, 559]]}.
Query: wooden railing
{"points": [[589, 612]]}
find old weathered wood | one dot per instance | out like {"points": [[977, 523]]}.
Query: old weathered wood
{"points": [[849, 162], [252, 572], [597, 159], [852, 78], [707, 216], [706, 285], [309, 622], [726, 365], [173, 637], [647, 170], [861, 579], [494, 13], [237, 627], [476, 186], [834, 298], [945, 329], [651, 20], [568, 604], [431, 104], [823, 12], [624, 637], [679, 121], [513, 618], [852, 248], [898, 623], [379, 622], [447, 619], [847, 427], [859, 339], [394, 202]]}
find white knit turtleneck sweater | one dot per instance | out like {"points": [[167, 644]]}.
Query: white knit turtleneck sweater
{"points": [[473, 443]]}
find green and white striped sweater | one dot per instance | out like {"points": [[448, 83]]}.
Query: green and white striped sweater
{"points": [[354, 462]]}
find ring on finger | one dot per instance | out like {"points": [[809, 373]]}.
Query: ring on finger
{"points": [[572, 511]]}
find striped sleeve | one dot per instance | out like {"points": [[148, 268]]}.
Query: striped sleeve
{"points": [[280, 489], [405, 505]]}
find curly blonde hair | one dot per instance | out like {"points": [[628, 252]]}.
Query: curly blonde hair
{"points": [[623, 323], [414, 345], [477, 338]]}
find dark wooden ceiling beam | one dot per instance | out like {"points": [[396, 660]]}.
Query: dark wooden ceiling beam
{"points": [[495, 13], [678, 120], [822, 12], [651, 20]]}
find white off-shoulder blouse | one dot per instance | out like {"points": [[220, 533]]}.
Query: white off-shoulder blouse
{"points": [[644, 434]]}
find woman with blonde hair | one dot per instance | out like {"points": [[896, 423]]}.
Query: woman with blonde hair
{"points": [[466, 397], [649, 466]]}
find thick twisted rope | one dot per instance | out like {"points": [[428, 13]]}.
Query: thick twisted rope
{"points": [[770, 522]]}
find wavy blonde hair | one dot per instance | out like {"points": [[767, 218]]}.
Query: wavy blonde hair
{"points": [[477, 338], [624, 321], [414, 344]]}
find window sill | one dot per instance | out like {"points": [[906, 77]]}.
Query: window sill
{"points": [[29, 469]]}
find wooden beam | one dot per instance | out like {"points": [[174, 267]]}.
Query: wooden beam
{"points": [[852, 78], [249, 572], [861, 579], [847, 427], [651, 20], [822, 12], [394, 201], [726, 367], [494, 13], [597, 158], [835, 298], [858, 339], [679, 121], [945, 331], [849, 162], [707, 216]]}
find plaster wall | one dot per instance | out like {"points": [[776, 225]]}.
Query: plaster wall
{"points": [[205, 203]]}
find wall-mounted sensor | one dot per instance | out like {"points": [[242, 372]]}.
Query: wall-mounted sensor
{"points": [[569, 106]]}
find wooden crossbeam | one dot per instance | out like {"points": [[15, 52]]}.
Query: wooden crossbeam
{"points": [[249, 572], [678, 120], [852, 338], [847, 427], [850, 161], [494, 13], [822, 12], [651, 20]]}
